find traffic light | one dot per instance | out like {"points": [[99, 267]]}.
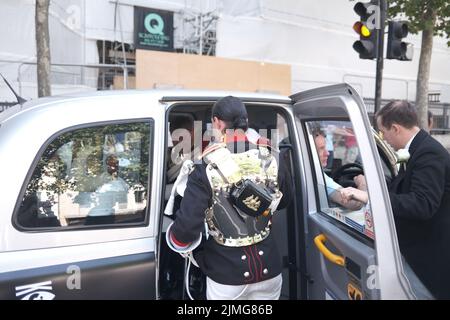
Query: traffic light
{"points": [[367, 45], [396, 48]]}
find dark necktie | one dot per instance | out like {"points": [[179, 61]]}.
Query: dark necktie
{"points": [[402, 168]]}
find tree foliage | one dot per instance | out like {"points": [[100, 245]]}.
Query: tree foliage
{"points": [[51, 174], [419, 14]]}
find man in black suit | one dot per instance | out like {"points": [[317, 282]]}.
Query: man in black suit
{"points": [[420, 197]]}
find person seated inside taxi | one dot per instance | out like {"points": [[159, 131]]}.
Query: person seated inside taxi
{"points": [[350, 198], [182, 143], [112, 193]]}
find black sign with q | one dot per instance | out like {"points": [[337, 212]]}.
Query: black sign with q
{"points": [[153, 29]]}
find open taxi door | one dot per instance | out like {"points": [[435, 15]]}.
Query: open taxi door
{"points": [[351, 253]]}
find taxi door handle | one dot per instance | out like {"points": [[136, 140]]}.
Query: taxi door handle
{"points": [[319, 241]]}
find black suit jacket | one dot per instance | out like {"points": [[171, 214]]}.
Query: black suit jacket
{"points": [[420, 198]]}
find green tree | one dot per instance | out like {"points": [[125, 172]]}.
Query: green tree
{"points": [[431, 17]]}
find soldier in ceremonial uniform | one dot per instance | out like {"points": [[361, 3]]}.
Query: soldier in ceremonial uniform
{"points": [[235, 189]]}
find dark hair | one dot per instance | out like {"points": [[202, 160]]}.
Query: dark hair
{"points": [[181, 122], [232, 111], [316, 129], [400, 112], [430, 117]]}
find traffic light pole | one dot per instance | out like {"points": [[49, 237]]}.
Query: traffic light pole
{"points": [[379, 72]]}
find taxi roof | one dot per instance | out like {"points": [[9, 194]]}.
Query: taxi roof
{"points": [[163, 95]]}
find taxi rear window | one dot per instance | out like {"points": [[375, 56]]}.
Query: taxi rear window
{"points": [[90, 177]]}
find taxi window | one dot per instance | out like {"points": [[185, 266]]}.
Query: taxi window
{"points": [[337, 162], [91, 176]]}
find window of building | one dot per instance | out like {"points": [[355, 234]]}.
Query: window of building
{"points": [[434, 97]]}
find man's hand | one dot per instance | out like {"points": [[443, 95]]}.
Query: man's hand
{"points": [[348, 194], [360, 182]]}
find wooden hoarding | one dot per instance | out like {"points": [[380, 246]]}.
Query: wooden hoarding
{"points": [[156, 69]]}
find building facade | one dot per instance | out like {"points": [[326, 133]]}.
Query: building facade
{"points": [[92, 43]]}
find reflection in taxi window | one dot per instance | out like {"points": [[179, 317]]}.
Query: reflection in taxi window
{"points": [[90, 176], [340, 174]]}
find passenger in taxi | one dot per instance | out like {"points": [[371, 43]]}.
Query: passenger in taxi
{"points": [[112, 194], [182, 138], [430, 121], [350, 198]]}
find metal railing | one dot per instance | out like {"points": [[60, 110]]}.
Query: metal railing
{"points": [[76, 77], [90, 75], [67, 75], [440, 111], [6, 105]]}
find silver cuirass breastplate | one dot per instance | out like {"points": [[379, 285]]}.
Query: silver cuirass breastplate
{"points": [[226, 171]]}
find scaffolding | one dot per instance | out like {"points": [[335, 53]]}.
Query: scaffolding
{"points": [[199, 32]]}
